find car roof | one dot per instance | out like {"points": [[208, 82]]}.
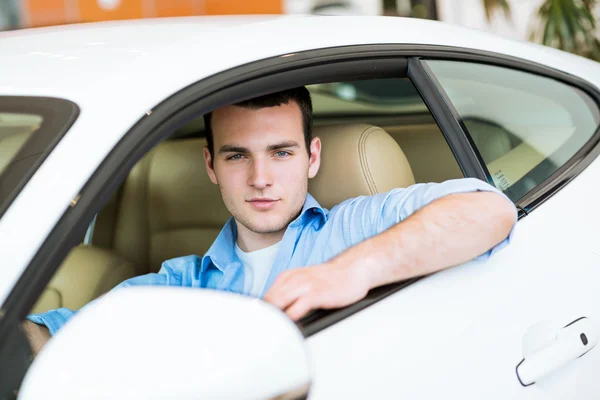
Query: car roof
{"points": [[146, 60]]}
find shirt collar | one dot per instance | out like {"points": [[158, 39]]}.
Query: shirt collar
{"points": [[222, 252], [311, 207]]}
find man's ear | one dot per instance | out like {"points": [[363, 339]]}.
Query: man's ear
{"points": [[208, 162], [314, 162]]}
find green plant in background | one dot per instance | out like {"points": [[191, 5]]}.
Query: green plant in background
{"points": [[492, 5], [569, 25]]}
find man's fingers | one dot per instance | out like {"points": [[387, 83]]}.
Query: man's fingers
{"points": [[283, 294], [274, 290], [299, 308]]}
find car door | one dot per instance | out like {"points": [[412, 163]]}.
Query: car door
{"points": [[524, 324], [552, 122]]}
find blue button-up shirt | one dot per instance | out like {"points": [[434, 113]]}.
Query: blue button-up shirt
{"points": [[314, 237]]}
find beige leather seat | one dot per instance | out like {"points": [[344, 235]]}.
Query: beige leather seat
{"points": [[430, 156], [357, 159], [85, 274], [167, 208], [427, 151]]}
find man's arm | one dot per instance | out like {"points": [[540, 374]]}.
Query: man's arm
{"points": [[448, 231], [37, 336]]}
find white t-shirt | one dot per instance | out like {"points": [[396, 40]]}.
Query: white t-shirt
{"points": [[257, 265]]}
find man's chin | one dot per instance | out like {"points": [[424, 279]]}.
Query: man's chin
{"points": [[266, 230], [264, 226]]}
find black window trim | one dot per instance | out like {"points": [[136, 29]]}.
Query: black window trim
{"points": [[58, 115], [225, 88]]}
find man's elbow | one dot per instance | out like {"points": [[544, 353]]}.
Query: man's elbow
{"points": [[505, 214]]}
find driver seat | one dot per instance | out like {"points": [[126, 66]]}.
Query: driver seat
{"points": [[357, 160]]}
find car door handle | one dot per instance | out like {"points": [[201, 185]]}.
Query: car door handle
{"points": [[572, 341]]}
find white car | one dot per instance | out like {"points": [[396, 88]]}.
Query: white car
{"points": [[101, 179]]}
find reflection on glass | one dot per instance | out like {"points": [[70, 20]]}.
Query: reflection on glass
{"points": [[525, 126]]}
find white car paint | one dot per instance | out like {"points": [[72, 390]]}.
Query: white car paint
{"points": [[430, 339]]}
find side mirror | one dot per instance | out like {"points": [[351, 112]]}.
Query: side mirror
{"points": [[167, 342]]}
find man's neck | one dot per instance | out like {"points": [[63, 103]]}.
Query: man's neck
{"points": [[249, 241]]}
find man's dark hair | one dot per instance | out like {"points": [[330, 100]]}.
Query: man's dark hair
{"points": [[299, 95]]}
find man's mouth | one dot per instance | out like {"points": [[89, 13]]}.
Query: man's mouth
{"points": [[263, 204]]}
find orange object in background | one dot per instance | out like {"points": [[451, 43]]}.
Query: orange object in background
{"points": [[56, 12], [44, 12], [219, 7], [105, 10], [177, 8]]}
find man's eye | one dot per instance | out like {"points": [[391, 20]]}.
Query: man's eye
{"points": [[235, 157], [282, 154]]}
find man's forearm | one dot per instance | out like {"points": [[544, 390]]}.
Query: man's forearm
{"points": [[37, 335], [449, 231]]}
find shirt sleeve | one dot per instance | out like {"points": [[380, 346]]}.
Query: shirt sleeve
{"points": [[173, 272], [366, 216]]}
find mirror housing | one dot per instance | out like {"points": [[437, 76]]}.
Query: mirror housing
{"points": [[172, 342]]}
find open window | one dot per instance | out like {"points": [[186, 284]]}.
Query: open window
{"points": [[166, 207]]}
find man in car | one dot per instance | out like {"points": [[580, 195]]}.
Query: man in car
{"points": [[281, 245]]}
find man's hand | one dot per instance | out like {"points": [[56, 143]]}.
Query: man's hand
{"points": [[321, 286], [37, 335]]}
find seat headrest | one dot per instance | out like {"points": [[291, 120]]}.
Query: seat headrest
{"points": [[357, 159]]}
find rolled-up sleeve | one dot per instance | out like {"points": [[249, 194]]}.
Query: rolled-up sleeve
{"points": [[367, 216], [53, 319]]}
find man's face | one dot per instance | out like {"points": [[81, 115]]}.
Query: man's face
{"points": [[261, 164]]}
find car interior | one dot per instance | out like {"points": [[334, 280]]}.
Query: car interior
{"points": [[167, 207]]}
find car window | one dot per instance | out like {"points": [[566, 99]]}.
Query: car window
{"points": [[525, 126], [15, 129], [29, 129]]}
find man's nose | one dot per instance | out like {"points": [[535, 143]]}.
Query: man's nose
{"points": [[260, 175]]}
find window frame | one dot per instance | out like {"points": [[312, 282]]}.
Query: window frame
{"points": [[249, 80], [58, 115]]}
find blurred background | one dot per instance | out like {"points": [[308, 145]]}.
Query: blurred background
{"points": [[570, 25]]}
